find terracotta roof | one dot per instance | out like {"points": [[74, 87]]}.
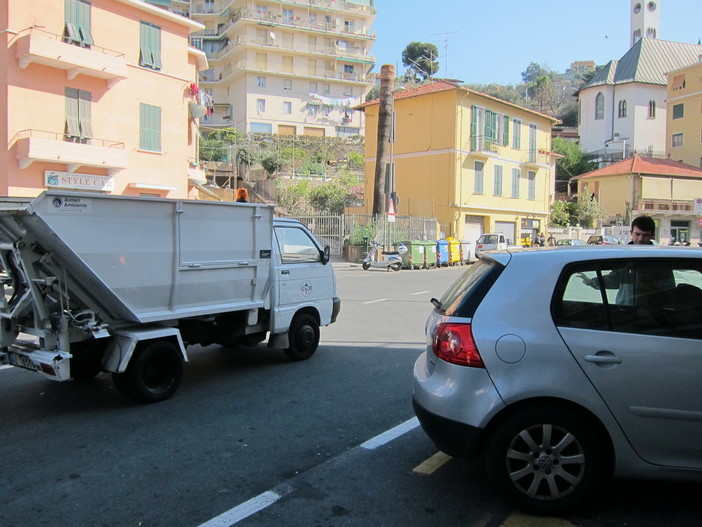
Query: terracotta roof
{"points": [[645, 166], [442, 85]]}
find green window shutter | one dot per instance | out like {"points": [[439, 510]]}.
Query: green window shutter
{"points": [[83, 21], [474, 128], [144, 44], [150, 127], [72, 122], [86, 127], [156, 47], [505, 130], [70, 9]]}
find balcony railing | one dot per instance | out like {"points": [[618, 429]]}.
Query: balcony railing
{"points": [[208, 8], [480, 144], [220, 74], [55, 147], [666, 206], [49, 49]]}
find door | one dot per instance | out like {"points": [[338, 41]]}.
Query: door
{"points": [[303, 280], [508, 229], [635, 331], [473, 229]]}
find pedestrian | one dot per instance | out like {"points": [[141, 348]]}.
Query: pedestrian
{"points": [[551, 240], [642, 231], [242, 195], [542, 239]]}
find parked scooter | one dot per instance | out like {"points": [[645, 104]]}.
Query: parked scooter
{"points": [[391, 259]]}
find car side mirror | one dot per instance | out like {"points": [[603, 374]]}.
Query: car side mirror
{"points": [[326, 255]]}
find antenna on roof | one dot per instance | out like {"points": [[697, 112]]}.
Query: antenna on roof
{"points": [[446, 44]]}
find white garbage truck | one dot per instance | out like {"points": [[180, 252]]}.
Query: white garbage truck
{"points": [[122, 284]]}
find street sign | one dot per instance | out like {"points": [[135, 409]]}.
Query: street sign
{"points": [[391, 211], [699, 222], [698, 207]]}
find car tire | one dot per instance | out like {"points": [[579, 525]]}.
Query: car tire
{"points": [[303, 337], [545, 461]]}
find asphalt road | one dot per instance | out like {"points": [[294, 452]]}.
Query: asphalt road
{"points": [[252, 439]]}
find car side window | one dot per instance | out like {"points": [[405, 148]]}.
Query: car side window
{"points": [[296, 246], [644, 296]]}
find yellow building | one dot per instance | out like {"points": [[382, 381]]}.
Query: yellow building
{"points": [[664, 189], [474, 162], [684, 116], [97, 96]]}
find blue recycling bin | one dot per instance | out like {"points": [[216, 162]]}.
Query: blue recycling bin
{"points": [[442, 253]]}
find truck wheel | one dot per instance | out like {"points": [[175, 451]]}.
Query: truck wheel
{"points": [[545, 460], [304, 337], [153, 374]]}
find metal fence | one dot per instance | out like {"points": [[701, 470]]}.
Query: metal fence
{"points": [[333, 230]]}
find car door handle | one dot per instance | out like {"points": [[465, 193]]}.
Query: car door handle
{"points": [[284, 271], [603, 359]]}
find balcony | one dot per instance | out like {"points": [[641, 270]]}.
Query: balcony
{"points": [[666, 206], [40, 47], [480, 146], [214, 75], [537, 158], [52, 147]]}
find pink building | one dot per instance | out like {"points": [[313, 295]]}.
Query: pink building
{"points": [[98, 95]]}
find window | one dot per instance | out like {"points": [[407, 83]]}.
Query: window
{"points": [[531, 185], [651, 109], [348, 69], [313, 87], [261, 128], [348, 91], [641, 297], [326, 89], [149, 127], [349, 26], [260, 105], [478, 177], [288, 16], [622, 109], [490, 126], [77, 16], [287, 84], [532, 143], [677, 140], [515, 182], [678, 111], [261, 82], [295, 246], [287, 107], [599, 106], [516, 133], [497, 183], [678, 82], [326, 110], [505, 130], [150, 46], [313, 108], [78, 124]]}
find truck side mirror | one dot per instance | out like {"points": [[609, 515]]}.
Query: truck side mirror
{"points": [[326, 255]]}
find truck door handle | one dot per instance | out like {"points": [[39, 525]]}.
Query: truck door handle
{"points": [[284, 271]]}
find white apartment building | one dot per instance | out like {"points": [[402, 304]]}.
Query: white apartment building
{"points": [[283, 66]]}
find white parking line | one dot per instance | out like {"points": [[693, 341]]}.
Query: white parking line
{"points": [[5, 367], [265, 499], [375, 301], [420, 293]]}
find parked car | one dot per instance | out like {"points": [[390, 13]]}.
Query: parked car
{"points": [[603, 239], [570, 241], [563, 385]]}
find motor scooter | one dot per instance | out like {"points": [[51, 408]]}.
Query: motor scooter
{"points": [[391, 259]]}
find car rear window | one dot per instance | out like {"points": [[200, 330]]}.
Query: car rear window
{"points": [[466, 293]]}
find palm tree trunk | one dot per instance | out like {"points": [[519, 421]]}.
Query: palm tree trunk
{"points": [[387, 82]]}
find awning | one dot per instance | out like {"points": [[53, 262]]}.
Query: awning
{"points": [[196, 110]]}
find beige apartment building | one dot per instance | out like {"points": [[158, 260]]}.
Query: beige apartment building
{"points": [[98, 95], [684, 116], [283, 66]]}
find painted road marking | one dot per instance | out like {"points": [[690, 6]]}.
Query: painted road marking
{"points": [[268, 498], [519, 519], [375, 301], [420, 293], [391, 434], [432, 464]]}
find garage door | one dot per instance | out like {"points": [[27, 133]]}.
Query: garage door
{"points": [[473, 229], [506, 228]]}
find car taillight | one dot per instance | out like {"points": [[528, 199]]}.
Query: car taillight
{"points": [[454, 343]]}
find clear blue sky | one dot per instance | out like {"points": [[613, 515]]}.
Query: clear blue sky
{"points": [[483, 41]]}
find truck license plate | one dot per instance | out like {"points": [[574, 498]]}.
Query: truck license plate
{"points": [[21, 361]]}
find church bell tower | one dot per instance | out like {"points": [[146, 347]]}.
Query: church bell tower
{"points": [[645, 19]]}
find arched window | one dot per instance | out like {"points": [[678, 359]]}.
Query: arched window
{"points": [[651, 109], [622, 108], [599, 106]]}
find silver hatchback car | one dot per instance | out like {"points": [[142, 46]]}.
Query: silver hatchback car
{"points": [[565, 367]]}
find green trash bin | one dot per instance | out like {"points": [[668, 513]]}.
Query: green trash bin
{"points": [[413, 257], [429, 254]]}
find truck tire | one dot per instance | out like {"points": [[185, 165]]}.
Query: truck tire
{"points": [[153, 374], [87, 359], [303, 337]]}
